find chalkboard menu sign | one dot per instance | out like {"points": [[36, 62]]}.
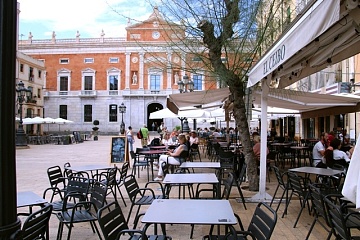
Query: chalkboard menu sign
{"points": [[119, 149]]}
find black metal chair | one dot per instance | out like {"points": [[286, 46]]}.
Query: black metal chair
{"points": [[120, 181], [340, 221], [228, 183], [83, 211], [36, 225], [56, 179], [79, 185], [139, 163], [227, 162], [109, 178], [299, 187], [286, 154], [261, 225], [140, 196], [195, 151], [239, 181], [113, 225], [317, 192], [281, 184]]}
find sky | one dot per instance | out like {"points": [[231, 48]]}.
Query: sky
{"points": [[89, 17]]}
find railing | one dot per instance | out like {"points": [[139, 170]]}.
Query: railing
{"points": [[87, 93]]}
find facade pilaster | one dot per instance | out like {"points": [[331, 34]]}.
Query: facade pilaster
{"points": [[141, 70], [127, 70]]}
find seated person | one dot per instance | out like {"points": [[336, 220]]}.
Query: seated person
{"points": [[167, 140], [172, 157], [319, 151], [193, 138], [339, 157], [257, 147]]}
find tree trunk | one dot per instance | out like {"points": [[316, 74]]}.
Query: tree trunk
{"points": [[244, 133]]}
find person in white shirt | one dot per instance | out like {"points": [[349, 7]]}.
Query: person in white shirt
{"points": [[319, 151], [340, 157], [167, 140], [193, 138]]}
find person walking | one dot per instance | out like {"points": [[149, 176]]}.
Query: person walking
{"points": [[130, 138], [145, 134]]}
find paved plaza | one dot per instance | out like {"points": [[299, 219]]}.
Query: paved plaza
{"points": [[32, 164]]}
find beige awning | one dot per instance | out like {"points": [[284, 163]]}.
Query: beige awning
{"points": [[334, 37], [308, 104], [198, 99]]}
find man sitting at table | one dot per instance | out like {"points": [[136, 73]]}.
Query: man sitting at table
{"points": [[172, 157], [319, 151]]}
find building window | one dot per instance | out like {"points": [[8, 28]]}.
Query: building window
{"points": [[196, 59], [197, 82], [31, 74], [39, 93], [155, 82], [88, 83], [63, 111], [113, 60], [39, 74], [113, 113], [113, 82], [88, 60], [21, 67], [88, 77], [64, 61], [64, 84], [87, 113]]}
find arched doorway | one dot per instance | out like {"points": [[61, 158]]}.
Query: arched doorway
{"points": [[153, 107]]}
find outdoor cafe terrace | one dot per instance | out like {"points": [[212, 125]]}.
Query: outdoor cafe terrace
{"points": [[32, 165]]}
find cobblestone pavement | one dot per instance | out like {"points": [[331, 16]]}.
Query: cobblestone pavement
{"points": [[32, 164]]}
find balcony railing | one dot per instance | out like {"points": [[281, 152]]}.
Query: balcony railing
{"points": [[87, 93]]}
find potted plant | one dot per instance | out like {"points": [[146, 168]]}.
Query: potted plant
{"points": [[95, 129]]}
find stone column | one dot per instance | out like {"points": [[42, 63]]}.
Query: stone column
{"points": [[141, 70], [169, 70], [9, 222], [127, 70]]}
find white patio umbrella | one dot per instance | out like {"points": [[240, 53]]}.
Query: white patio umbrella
{"points": [[35, 120], [196, 113], [163, 113], [351, 188], [61, 121], [49, 120]]}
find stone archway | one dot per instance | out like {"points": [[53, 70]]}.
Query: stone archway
{"points": [[153, 107]]}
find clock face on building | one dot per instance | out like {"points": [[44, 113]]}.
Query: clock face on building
{"points": [[155, 35]]}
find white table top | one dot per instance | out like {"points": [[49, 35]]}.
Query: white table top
{"points": [[29, 198], [317, 171], [92, 167], [186, 211], [200, 165], [184, 178]]}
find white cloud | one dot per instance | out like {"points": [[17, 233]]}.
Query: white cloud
{"points": [[88, 17]]}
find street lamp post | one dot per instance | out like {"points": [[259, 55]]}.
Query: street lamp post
{"points": [[185, 85], [122, 110], [22, 92]]}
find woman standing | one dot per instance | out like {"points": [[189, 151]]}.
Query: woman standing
{"points": [[130, 138]]}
